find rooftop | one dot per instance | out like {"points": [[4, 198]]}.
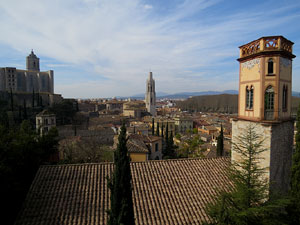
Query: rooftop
{"points": [[265, 45], [164, 192]]}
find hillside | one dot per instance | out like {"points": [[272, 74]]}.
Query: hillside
{"points": [[224, 103]]}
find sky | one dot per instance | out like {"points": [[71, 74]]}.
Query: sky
{"points": [[106, 48]]}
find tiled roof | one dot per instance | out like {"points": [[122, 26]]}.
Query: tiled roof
{"points": [[164, 192]]}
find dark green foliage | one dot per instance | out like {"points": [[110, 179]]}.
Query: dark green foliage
{"points": [[294, 208], [3, 114], [64, 112], [220, 143], [152, 126], [11, 101], [24, 110], [169, 148], [121, 211], [157, 129], [167, 133], [248, 202], [33, 98], [162, 130], [21, 153]]}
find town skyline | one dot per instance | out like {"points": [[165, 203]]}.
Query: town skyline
{"points": [[106, 49]]}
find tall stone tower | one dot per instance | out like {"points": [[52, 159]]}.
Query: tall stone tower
{"points": [[32, 62], [150, 97], [265, 90]]}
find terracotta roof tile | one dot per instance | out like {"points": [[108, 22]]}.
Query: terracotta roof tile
{"points": [[164, 192]]}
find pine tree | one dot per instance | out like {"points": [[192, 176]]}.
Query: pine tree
{"points": [[295, 179], [157, 129], [248, 201], [121, 211], [220, 143], [153, 126]]}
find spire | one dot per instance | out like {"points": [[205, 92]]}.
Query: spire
{"points": [[150, 75]]}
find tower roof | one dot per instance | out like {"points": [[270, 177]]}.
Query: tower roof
{"points": [[32, 55], [267, 45]]}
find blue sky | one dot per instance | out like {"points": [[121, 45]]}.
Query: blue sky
{"points": [[105, 48]]}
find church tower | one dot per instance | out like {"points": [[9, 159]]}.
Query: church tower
{"points": [[265, 92], [32, 62], [150, 97]]}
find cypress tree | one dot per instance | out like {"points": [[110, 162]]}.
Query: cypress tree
{"points": [[33, 98], [295, 179], [24, 110], [162, 131], [220, 143], [152, 126], [167, 133], [11, 100], [38, 98], [121, 211], [157, 129]]}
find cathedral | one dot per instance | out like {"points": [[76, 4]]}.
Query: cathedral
{"points": [[150, 97], [29, 80]]}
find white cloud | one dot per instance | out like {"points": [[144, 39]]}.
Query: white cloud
{"points": [[119, 40], [148, 6]]}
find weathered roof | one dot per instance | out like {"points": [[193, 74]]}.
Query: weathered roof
{"points": [[164, 192]]}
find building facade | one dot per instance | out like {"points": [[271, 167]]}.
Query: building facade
{"points": [[150, 97], [265, 90], [44, 122], [29, 80]]}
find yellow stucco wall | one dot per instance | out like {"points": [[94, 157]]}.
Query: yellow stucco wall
{"points": [[138, 157], [250, 70]]}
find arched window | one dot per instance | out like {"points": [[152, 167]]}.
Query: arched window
{"points": [[284, 97], [269, 98], [270, 66], [249, 97]]}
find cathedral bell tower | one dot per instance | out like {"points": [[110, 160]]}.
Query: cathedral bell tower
{"points": [[265, 92], [150, 97], [32, 62]]}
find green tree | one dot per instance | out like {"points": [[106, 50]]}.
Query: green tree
{"points": [[248, 201], [24, 110], [33, 98], [157, 129], [294, 208], [152, 126], [220, 143], [169, 150], [11, 100], [121, 211], [22, 151], [162, 131]]}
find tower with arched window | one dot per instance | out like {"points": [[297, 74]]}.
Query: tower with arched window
{"points": [[265, 89]]}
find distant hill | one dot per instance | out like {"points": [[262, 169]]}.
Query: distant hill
{"points": [[185, 95], [224, 103]]}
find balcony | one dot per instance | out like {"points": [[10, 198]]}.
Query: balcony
{"points": [[267, 44]]}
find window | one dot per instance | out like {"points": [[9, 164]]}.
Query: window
{"points": [[284, 97], [156, 147], [270, 66], [249, 97], [269, 98]]}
